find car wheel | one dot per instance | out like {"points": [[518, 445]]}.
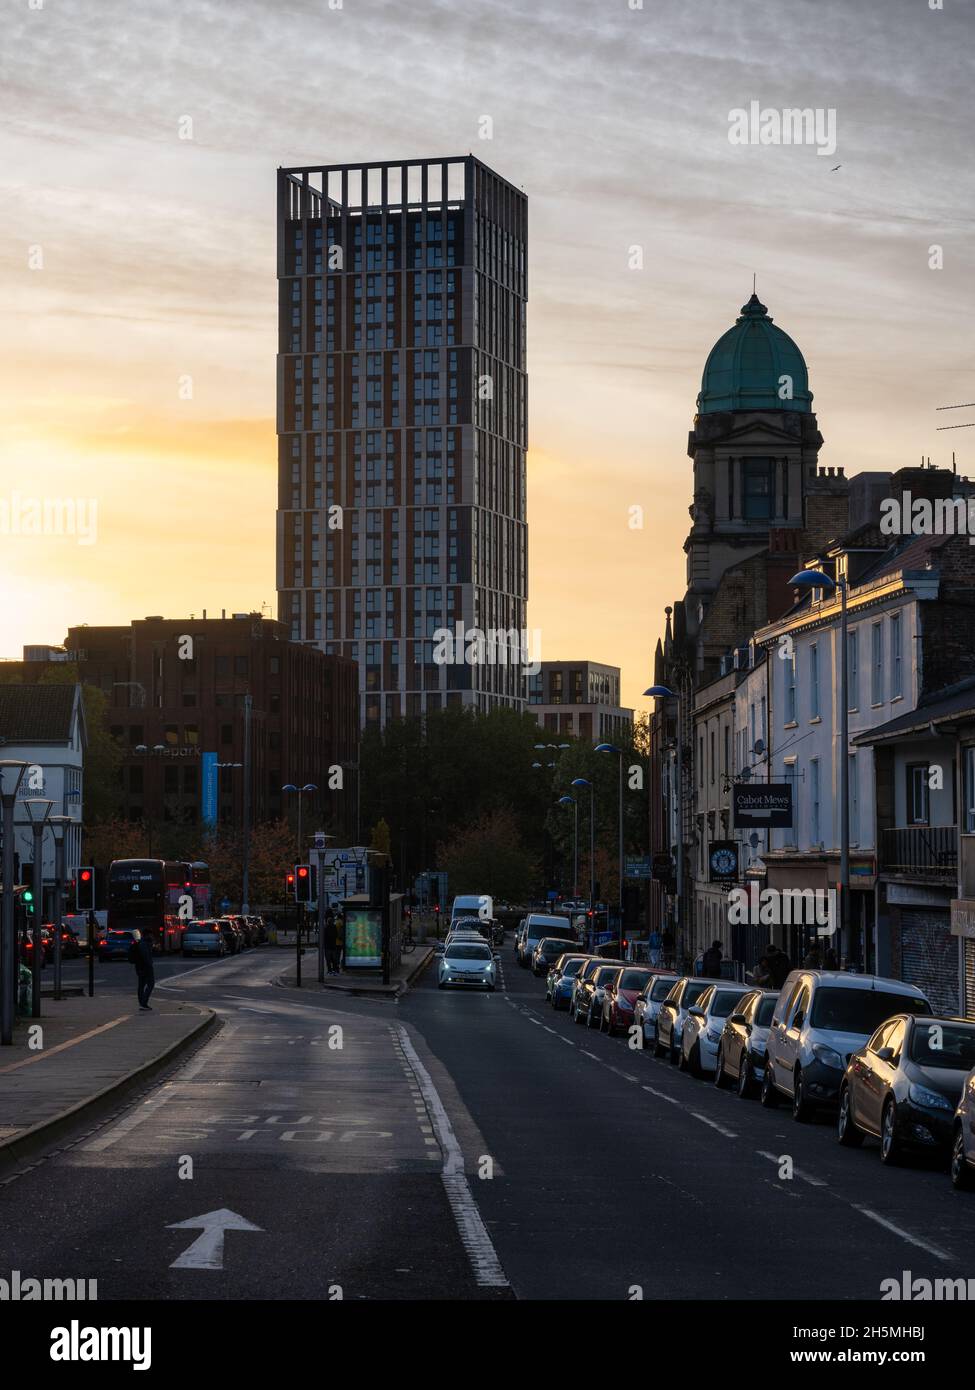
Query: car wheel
{"points": [[962, 1176], [589, 1017], [440, 986], [745, 1083], [658, 1050], [720, 1080], [847, 1132], [770, 1096], [802, 1108], [681, 1059], [675, 1051], [694, 1062], [891, 1148]]}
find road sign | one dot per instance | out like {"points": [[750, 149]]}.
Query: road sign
{"points": [[639, 867]]}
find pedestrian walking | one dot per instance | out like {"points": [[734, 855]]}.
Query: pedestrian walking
{"points": [[654, 945], [830, 961], [711, 961], [762, 975], [813, 959], [140, 955]]}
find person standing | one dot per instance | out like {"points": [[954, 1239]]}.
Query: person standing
{"points": [[711, 961], [140, 955]]}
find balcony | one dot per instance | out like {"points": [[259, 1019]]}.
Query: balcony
{"points": [[920, 851]]}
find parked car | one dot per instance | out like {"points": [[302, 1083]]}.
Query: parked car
{"points": [[546, 953], [648, 1002], [963, 1138], [230, 935], [583, 974], [468, 963], [619, 999], [701, 1034], [905, 1085], [743, 1050], [561, 978], [821, 1018], [587, 1001], [673, 1013], [537, 926], [203, 938], [114, 944]]}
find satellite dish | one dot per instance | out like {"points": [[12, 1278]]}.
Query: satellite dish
{"points": [[753, 840], [759, 746], [746, 774]]}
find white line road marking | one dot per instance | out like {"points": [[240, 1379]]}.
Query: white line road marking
{"points": [[625, 1074], [473, 1233], [799, 1172], [146, 1111], [661, 1095], [206, 1252], [728, 1133], [904, 1235]]}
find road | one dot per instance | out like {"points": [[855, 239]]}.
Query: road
{"points": [[459, 1146]]}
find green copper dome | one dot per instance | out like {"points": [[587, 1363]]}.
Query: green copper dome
{"points": [[745, 367]]}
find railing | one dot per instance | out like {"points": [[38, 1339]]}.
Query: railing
{"points": [[928, 851]]}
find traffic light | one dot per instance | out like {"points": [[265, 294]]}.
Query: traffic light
{"points": [[85, 889], [303, 883], [290, 880], [27, 898]]}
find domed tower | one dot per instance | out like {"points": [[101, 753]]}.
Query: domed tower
{"points": [[755, 446]]}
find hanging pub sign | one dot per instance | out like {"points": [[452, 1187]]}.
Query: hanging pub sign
{"points": [[761, 805]]}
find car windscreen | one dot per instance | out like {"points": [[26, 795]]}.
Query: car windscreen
{"points": [[763, 1014], [724, 1002], [633, 979], [606, 974], [859, 1010], [464, 952], [947, 1045], [660, 990], [572, 967], [693, 992], [551, 946]]}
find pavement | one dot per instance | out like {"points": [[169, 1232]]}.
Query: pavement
{"points": [[454, 1145], [80, 1053], [361, 981]]}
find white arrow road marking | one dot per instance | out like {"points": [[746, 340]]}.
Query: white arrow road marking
{"points": [[206, 1252]]}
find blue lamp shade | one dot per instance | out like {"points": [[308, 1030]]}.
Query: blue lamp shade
{"points": [[580, 782], [607, 748], [567, 801], [661, 692], [812, 579]]}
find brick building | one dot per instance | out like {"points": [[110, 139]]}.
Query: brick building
{"points": [[177, 691]]}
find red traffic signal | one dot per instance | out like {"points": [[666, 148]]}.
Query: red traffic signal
{"points": [[303, 893], [85, 889]]}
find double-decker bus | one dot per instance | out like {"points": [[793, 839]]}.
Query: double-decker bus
{"points": [[200, 878], [138, 896]]}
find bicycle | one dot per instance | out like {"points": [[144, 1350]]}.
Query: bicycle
{"points": [[407, 944]]}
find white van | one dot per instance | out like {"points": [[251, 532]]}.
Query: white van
{"points": [[537, 926], [472, 905]]}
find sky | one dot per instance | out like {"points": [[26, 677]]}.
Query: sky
{"points": [[138, 309]]}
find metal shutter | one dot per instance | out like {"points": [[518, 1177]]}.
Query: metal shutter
{"points": [[969, 1000], [929, 956]]}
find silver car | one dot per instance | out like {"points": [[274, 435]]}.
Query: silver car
{"points": [[743, 1050], [648, 1003], [203, 939], [468, 963], [821, 1018]]}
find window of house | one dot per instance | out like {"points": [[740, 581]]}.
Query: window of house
{"points": [[757, 489], [896, 669], [814, 681], [918, 794], [815, 834], [852, 671], [877, 664]]}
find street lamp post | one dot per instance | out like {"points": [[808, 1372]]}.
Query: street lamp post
{"points": [[818, 579], [38, 810], [11, 774], [245, 853], [291, 787], [663, 692], [59, 824], [611, 748], [573, 802], [584, 782]]}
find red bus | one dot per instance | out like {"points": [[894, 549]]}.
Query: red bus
{"points": [[200, 878]]}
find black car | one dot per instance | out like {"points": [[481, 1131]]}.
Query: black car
{"points": [[231, 935], [904, 1086], [587, 1002], [547, 952]]}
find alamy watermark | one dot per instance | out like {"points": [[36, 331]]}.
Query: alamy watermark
{"points": [[50, 516], [908, 515], [493, 646], [784, 907], [793, 125]]}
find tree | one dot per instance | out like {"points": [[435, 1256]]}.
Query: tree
{"points": [[489, 857], [380, 837]]}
